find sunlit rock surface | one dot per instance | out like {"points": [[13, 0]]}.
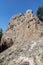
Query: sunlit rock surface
{"points": [[24, 27], [26, 31]]}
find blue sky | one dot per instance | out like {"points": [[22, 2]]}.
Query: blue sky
{"points": [[9, 8]]}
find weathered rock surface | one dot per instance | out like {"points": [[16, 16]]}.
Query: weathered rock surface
{"points": [[24, 27], [23, 53], [26, 31]]}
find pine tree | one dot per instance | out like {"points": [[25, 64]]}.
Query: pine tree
{"points": [[1, 33], [40, 13]]}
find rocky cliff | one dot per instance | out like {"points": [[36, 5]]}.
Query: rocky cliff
{"points": [[26, 31], [24, 27]]}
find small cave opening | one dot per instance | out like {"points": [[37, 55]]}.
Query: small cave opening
{"points": [[6, 44]]}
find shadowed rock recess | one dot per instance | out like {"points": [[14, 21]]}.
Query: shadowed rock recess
{"points": [[24, 37]]}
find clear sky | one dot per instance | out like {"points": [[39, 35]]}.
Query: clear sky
{"points": [[8, 8]]}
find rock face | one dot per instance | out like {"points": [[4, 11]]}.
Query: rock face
{"points": [[23, 53], [26, 31], [24, 27]]}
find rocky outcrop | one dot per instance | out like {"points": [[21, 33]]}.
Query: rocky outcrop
{"points": [[6, 43], [26, 32], [24, 27]]}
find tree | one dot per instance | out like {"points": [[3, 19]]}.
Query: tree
{"points": [[1, 33], [40, 13]]}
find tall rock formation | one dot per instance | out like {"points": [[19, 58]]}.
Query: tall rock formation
{"points": [[24, 27], [26, 32]]}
